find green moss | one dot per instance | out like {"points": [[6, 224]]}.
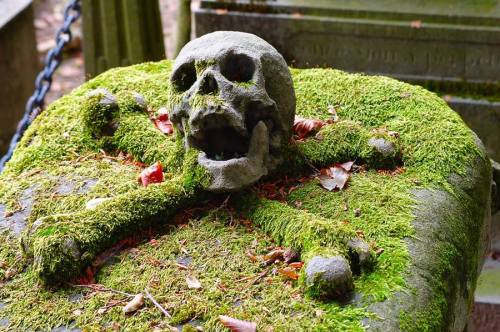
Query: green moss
{"points": [[245, 85], [201, 101], [433, 144], [202, 65]]}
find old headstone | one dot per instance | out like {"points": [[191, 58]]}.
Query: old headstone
{"points": [[120, 33], [451, 47], [18, 64]]}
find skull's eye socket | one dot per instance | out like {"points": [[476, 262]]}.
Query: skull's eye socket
{"points": [[238, 68], [184, 77]]}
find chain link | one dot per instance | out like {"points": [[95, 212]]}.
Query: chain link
{"points": [[43, 81]]}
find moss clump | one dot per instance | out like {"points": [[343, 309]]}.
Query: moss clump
{"points": [[433, 144]]}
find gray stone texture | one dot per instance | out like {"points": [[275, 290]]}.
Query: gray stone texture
{"points": [[237, 106], [447, 251], [330, 276], [15, 222], [18, 64], [120, 33], [451, 47], [384, 147]]}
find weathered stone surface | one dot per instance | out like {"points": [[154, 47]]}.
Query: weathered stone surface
{"points": [[329, 277], [449, 40], [416, 283], [15, 222], [383, 146], [18, 64], [483, 117], [119, 33], [444, 224], [451, 47]]}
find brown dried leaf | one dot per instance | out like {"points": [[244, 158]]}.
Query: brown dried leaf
{"points": [[333, 111], [289, 272], [252, 256], [237, 325], [135, 304], [193, 282], [296, 265]]}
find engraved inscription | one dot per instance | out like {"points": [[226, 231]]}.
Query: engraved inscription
{"points": [[398, 56]]}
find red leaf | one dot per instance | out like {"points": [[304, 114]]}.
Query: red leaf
{"points": [[152, 174], [236, 325], [163, 123], [306, 127]]}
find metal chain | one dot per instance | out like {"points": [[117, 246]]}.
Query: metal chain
{"points": [[43, 81]]}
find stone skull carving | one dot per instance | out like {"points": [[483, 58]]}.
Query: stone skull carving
{"points": [[233, 99]]}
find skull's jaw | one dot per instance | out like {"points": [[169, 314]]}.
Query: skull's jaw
{"points": [[237, 173]]}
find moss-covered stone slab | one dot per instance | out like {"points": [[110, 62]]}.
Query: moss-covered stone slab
{"points": [[427, 218]]}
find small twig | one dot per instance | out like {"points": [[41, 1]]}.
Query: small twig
{"points": [[260, 276], [151, 298], [102, 288]]}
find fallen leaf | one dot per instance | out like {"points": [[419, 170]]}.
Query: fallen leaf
{"points": [[333, 111], [274, 254], [181, 266], [221, 11], [152, 174], [303, 128], [77, 312], [102, 310], [193, 282], [289, 272], [237, 325], [163, 123], [252, 256], [417, 24], [11, 272], [296, 265], [334, 178], [393, 134], [93, 203], [347, 165], [135, 304], [379, 251]]}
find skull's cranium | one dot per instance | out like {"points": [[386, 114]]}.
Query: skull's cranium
{"points": [[233, 99]]}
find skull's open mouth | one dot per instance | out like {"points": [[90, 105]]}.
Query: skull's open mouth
{"points": [[235, 153], [222, 142]]}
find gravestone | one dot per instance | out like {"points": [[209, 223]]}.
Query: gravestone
{"points": [[120, 33], [76, 200], [451, 47], [18, 64]]}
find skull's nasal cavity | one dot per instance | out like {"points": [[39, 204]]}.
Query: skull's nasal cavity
{"points": [[208, 85]]}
